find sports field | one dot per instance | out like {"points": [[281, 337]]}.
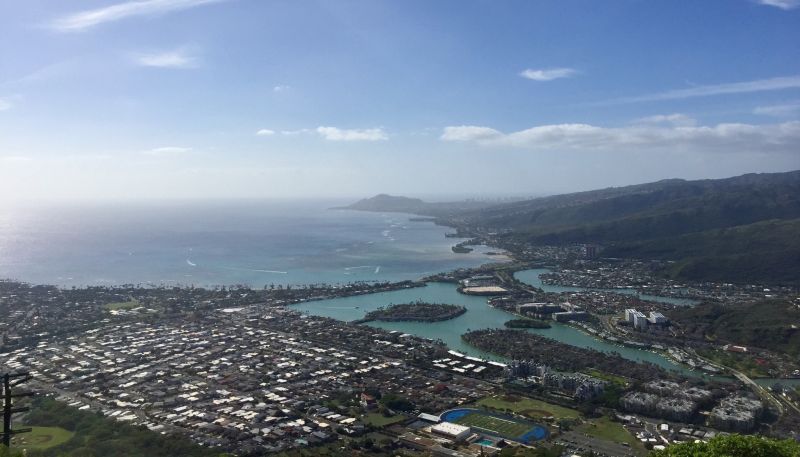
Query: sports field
{"points": [[503, 427], [530, 407], [42, 438], [496, 424]]}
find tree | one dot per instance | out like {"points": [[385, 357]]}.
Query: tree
{"points": [[734, 445], [5, 452]]}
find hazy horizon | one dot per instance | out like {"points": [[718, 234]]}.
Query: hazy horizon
{"points": [[332, 199]]}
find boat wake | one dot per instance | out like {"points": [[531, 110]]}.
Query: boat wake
{"points": [[257, 270]]}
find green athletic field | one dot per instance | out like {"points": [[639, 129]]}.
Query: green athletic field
{"points": [[497, 425], [42, 438]]}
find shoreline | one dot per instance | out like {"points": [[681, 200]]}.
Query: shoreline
{"points": [[505, 257]]}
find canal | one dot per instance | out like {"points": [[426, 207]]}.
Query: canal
{"points": [[480, 315]]}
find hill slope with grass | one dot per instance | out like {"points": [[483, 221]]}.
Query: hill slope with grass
{"points": [[768, 324], [740, 229]]}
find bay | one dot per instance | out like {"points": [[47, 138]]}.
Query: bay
{"points": [[256, 243]]}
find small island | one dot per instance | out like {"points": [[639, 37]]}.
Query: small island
{"points": [[527, 323], [461, 249], [417, 311]]}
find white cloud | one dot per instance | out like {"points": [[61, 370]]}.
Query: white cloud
{"points": [[759, 85], [547, 74], [784, 110], [281, 88], [676, 119], [337, 134], [167, 150], [782, 4], [90, 18], [171, 59], [295, 132], [5, 105], [265, 132], [469, 133], [584, 137]]}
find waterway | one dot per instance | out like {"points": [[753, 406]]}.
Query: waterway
{"points": [[532, 278], [479, 315]]}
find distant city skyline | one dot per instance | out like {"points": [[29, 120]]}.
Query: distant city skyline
{"points": [[176, 99]]}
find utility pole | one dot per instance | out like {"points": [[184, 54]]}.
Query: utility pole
{"points": [[12, 380]]}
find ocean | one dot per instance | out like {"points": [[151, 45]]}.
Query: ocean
{"points": [[255, 243]]}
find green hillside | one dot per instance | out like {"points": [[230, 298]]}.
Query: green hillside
{"points": [[664, 208], [733, 445], [741, 229], [768, 251], [768, 324]]}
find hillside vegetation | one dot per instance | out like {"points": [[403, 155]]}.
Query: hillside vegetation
{"points": [[768, 324], [663, 208], [733, 445], [740, 229], [96, 436], [767, 251]]}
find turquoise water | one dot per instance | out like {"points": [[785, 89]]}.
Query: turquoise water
{"points": [[479, 315], [220, 243], [532, 277], [264, 242]]}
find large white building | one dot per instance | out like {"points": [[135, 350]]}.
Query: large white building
{"points": [[658, 318], [450, 430], [636, 318], [640, 321]]}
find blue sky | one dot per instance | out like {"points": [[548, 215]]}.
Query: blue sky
{"points": [[255, 98]]}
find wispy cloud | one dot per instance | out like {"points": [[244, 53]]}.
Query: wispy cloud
{"points": [[179, 58], [281, 88], [337, 134], [5, 105], [676, 119], [741, 138], [758, 85], [89, 18], [783, 110], [295, 132], [265, 132], [782, 4], [469, 133], [547, 74], [167, 150]]}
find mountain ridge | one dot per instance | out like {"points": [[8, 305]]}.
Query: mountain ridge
{"points": [[712, 228]]}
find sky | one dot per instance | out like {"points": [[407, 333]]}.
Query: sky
{"points": [[197, 99]]}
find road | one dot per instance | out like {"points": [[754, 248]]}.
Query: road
{"points": [[763, 393]]}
